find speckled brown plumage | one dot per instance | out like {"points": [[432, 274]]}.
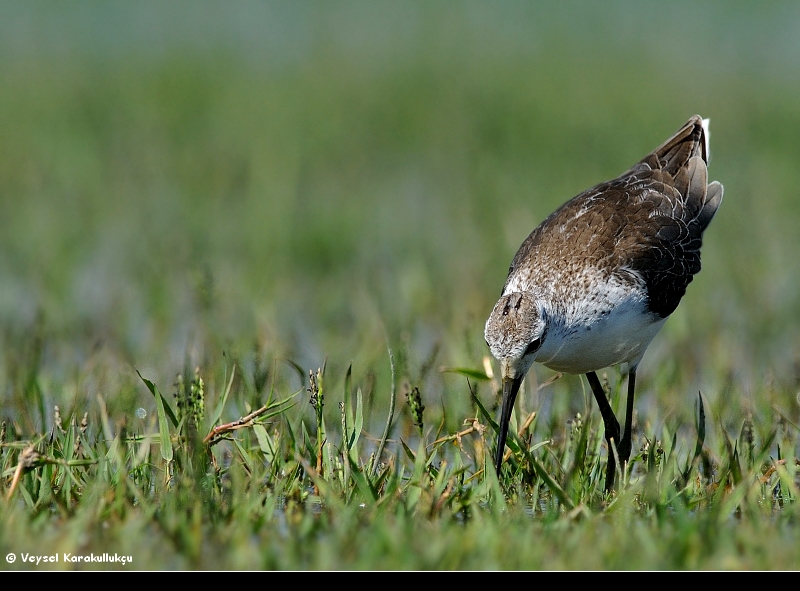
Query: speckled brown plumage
{"points": [[594, 282]]}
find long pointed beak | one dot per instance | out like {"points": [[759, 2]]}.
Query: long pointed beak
{"points": [[510, 389]]}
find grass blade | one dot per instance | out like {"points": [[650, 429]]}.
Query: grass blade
{"points": [[164, 411]]}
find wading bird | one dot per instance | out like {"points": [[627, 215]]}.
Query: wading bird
{"points": [[593, 284]]}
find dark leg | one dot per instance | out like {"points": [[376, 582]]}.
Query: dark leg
{"points": [[610, 424], [625, 444]]}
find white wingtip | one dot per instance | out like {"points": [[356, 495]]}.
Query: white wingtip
{"points": [[706, 136]]}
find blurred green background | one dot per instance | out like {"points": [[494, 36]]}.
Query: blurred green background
{"points": [[204, 183]]}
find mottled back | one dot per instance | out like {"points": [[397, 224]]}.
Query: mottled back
{"points": [[646, 225]]}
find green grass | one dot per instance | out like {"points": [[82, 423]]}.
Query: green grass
{"points": [[246, 214]]}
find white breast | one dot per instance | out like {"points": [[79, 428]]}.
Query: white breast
{"points": [[609, 326]]}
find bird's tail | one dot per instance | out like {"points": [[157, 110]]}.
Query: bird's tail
{"points": [[690, 140], [684, 157]]}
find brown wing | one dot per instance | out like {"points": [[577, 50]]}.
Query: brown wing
{"points": [[672, 184], [647, 224]]}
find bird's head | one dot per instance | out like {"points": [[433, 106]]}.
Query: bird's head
{"points": [[514, 332]]}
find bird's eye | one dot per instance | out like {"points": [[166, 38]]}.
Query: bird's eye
{"points": [[534, 345]]}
